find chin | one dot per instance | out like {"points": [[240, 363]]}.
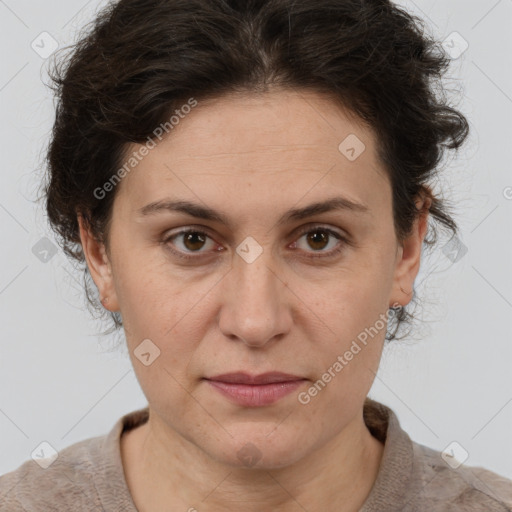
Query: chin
{"points": [[260, 448]]}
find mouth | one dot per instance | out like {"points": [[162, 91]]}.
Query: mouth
{"points": [[263, 378], [255, 390]]}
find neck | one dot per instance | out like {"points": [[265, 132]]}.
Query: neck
{"points": [[165, 471]]}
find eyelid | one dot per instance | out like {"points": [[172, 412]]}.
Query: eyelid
{"points": [[343, 240], [340, 236], [183, 231], [318, 225]]}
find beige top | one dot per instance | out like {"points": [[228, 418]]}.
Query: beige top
{"points": [[88, 476]]}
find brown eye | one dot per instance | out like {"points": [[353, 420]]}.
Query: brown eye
{"points": [[318, 239], [320, 242], [194, 240], [187, 242]]}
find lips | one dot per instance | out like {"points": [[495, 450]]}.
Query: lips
{"points": [[261, 390], [263, 378]]}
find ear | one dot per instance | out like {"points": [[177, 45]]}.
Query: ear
{"points": [[99, 266], [409, 254]]}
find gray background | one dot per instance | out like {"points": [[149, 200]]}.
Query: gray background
{"points": [[452, 381]]}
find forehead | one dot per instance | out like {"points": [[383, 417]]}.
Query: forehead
{"points": [[260, 146]]}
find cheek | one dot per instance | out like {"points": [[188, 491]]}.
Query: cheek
{"points": [[356, 332], [170, 312], [348, 320], [353, 297], [149, 297]]}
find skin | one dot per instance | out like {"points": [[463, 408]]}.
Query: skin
{"points": [[253, 158]]}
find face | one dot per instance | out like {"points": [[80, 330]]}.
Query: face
{"points": [[264, 285]]}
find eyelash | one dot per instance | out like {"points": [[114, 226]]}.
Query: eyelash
{"points": [[307, 229]]}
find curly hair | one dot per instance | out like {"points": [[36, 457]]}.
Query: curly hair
{"points": [[139, 60]]}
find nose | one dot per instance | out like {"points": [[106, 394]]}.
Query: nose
{"points": [[255, 307]]}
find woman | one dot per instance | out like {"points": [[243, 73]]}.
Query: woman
{"points": [[247, 182]]}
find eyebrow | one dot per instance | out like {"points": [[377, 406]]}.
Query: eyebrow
{"points": [[202, 212]]}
